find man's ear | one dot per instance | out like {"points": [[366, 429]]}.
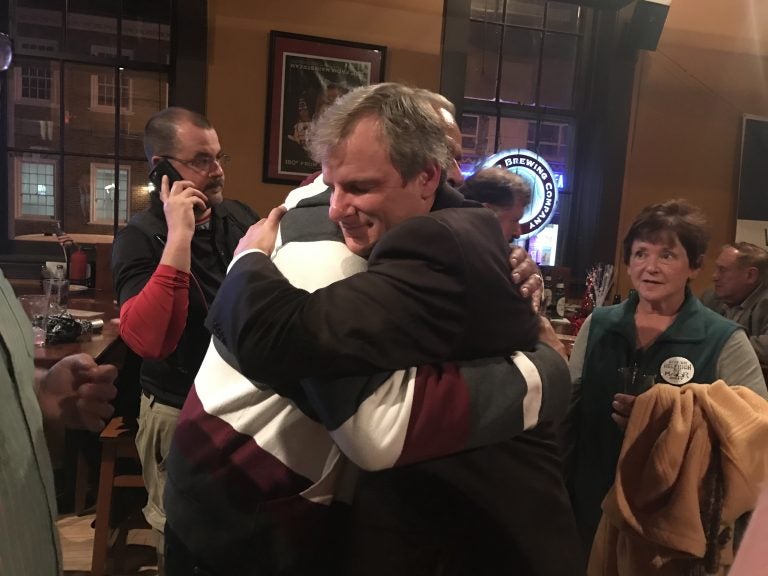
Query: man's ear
{"points": [[429, 180], [155, 161], [752, 276]]}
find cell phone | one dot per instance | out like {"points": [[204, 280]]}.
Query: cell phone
{"points": [[163, 168]]}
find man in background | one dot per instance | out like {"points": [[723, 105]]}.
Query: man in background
{"points": [[504, 193], [740, 292], [167, 265]]}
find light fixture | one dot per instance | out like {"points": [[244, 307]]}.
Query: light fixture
{"points": [[6, 51]]}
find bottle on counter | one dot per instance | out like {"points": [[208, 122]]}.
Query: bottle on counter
{"points": [[78, 266], [546, 297], [558, 296]]}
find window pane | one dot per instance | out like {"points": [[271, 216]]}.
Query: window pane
{"points": [[39, 26], [147, 31], [75, 211], [104, 193], [563, 17], [92, 28], [79, 186], [558, 70], [138, 195], [520, 67], [514, 133], [35, 104], [89, 121], [478, 135], [482, 60], [554, 143], [526, 13], [33, 180], [149, 93], [488, 10]]}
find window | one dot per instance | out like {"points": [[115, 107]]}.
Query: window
{"points": [[103, 196], [103, 92], [110, 51], [37, 45], [36, 184], [34, 83], [74, 62], [521, 89]]}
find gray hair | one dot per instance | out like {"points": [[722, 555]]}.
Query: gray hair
{"points": [[750, 255], [409, 127]]}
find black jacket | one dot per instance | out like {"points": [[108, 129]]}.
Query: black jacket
{"points": [[135, 256]]}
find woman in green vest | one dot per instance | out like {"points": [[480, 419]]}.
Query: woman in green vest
{"points": [[661, 334]]}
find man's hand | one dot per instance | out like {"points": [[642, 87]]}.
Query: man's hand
{"points": [[526, 273], [622, 408], [548, 336], [181, 202], [64, 239], [262, 235], [76, 392]]}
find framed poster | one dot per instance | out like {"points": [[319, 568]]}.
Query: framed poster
{"points": [[306, 74]]}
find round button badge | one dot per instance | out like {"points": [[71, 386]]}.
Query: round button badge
{"points": [[677, 370]]}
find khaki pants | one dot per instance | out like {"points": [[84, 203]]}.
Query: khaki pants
{"points": [[157, 423]]}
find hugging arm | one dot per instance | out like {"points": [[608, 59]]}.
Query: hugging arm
{"points": [[413, 415], [411, 308]]}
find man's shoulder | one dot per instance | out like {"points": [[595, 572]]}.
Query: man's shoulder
{"points": [[759, 297], [313, 194], [147, 223], [238, 210]]}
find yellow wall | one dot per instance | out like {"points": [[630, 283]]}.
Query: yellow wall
{"points": [[711, 67], [238, 46]]}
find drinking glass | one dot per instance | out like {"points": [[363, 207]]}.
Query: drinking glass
{"points": [[36, 308], [57, 289], [634, 382]]}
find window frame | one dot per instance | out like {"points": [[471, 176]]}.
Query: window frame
{"points": [[124, 194], [458, 18], [19, 98], [18, 162], [95, 106]]}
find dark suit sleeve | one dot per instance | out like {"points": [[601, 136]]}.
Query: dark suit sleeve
{"points": [[410, 308]]}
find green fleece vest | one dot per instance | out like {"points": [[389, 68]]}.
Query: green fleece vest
{"points": [[697, 336]]}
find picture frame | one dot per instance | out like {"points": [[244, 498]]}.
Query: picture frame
{"points": [[305, 75]]}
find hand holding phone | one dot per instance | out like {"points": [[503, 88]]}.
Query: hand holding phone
{"points": [[163, 168]]}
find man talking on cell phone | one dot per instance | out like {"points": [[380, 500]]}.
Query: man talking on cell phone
{"points": [[167, 265]]}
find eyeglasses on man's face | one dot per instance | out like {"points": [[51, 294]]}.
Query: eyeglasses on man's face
{"points": [[203, 163]]}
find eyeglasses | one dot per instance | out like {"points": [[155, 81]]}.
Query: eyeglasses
{"points": [[203, 163]]}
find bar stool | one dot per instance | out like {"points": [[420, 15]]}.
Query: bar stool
{"points": [[117, 441]]}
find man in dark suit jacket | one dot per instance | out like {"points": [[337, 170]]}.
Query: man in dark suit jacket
{"points": [[436, 288]]}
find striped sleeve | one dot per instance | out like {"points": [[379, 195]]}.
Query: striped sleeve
{"points": [[414, 415]]}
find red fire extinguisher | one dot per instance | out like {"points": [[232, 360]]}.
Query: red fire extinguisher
{"points": [[78, 266]]}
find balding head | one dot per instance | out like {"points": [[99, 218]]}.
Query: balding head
{"points": [[447, 112]]}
